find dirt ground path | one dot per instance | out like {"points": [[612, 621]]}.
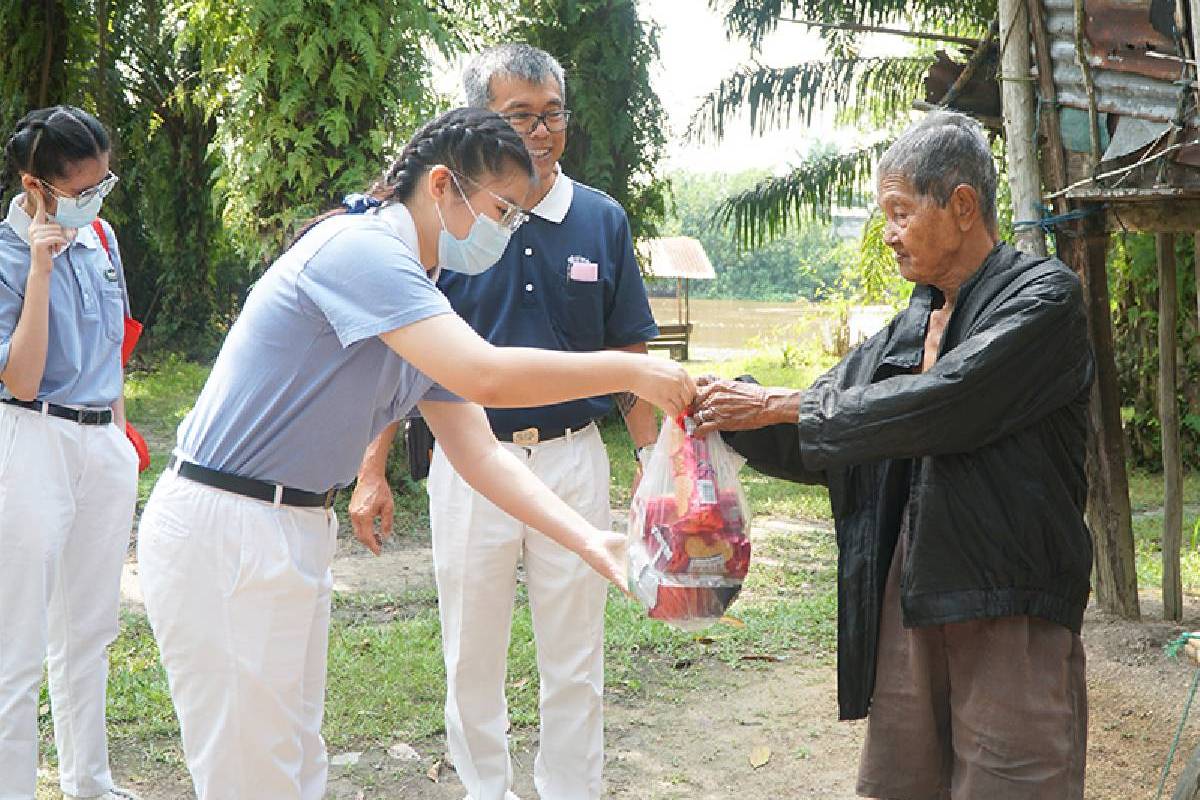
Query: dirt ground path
{"points": [[696, 742]]}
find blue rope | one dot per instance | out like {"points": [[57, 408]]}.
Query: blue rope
{"points": [[1048, 222], [1173, 649]]}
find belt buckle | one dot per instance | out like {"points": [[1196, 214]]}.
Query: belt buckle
{"points": [[526, 438]]}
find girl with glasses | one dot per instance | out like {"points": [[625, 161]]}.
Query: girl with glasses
{"points": [[344, 334], [68, 475]]}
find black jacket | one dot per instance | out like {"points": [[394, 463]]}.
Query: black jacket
{"points": [[986, 451]]}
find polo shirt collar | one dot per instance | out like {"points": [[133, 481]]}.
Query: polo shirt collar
{"points": [[399, 219], [557, 202], [20, 221]]}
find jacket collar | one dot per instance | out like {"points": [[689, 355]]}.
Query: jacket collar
{"points": [[906, 345]]}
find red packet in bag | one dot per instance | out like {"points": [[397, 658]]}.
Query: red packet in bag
{"points": [[689, 535]]}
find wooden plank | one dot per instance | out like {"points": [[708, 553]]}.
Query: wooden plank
{"points": [[1055, 158], [1108, 509], [1020, 140], [1172, 533]]}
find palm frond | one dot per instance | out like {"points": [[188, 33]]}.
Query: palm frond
{"points": [[755, 19], [774, 205], [875, 88]]}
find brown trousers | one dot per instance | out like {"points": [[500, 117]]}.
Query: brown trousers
{"points": [[992, 709]]}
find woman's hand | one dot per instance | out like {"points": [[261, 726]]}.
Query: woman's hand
{"points": [[665, 384], [605, 553], [740, 406], [46, 239]]}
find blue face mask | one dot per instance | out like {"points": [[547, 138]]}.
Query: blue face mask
{"points": [[70, 215], [476, 254]]}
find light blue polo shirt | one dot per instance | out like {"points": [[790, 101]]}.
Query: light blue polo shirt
{"points": [[303, 382], [87, 312]]}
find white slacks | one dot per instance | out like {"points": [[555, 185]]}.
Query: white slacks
{"points": [[476, 548], [67, 494], [238, 594]]}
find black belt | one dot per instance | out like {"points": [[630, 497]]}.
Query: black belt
{"points": [[250, 487], [84, 416], [532, 436]]}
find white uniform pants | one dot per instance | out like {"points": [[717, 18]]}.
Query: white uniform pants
{"points": [[67, 493], [238, 594], [476, 548]]}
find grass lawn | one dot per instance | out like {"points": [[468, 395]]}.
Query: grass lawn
{"points": [[385, 671]]}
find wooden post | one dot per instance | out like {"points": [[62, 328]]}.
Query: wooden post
{"points": [[1085, 250], [1196, 247], [679, 299], [1172, 533], [1020, 141], [1108, 510]]}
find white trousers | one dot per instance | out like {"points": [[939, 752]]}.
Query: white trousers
{"points": [[67, 493], [476, 547], [238, 594]]}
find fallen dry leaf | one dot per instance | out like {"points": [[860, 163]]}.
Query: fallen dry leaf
{"points": [[435, 772], [759, 756], [732, 622], [762, 657]]}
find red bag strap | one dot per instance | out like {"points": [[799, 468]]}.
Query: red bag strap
{"points": [[98, 227]]}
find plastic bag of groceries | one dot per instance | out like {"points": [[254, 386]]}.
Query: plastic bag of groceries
{"points": [[689, 528]]}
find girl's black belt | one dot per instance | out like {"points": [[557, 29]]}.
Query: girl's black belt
{"points": [[251, 487], [84, 416]]}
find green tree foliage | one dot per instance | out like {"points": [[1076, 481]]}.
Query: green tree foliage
{"points": [[1133, 281], [616, 138], [870, 91], [805, 263], [42, 61], [311, 95]]}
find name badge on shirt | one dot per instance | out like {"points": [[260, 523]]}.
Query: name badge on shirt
{"points": [[110, 274], [582, 270]]}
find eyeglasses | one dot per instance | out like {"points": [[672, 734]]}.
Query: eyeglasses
{"points": [[513, 217], [102, 189], [525, 122]]}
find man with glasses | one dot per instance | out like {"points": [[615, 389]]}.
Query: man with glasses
{"points": [[569, 280]]}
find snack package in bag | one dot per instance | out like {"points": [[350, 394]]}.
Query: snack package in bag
{"points": [[689, 528]]}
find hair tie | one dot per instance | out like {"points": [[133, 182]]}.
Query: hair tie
{"points": [[360, 203]]}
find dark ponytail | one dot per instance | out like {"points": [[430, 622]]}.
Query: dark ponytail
{"points": [[473, 142], [49, 141]]}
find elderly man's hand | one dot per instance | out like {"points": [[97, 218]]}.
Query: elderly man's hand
{"points": [[741, 406]]}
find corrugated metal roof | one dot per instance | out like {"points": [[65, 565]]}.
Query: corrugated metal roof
{"points": [[677, 257], [1128, 81]]}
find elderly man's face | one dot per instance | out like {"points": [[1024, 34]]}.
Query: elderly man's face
{"points": [[923, 235], [515, 96]]}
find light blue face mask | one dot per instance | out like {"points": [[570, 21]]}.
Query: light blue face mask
{"points": [[476, 254], [70, 215]]}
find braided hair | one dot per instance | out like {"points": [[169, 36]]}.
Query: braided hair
{"points": [[48, 141], [474, 142]]}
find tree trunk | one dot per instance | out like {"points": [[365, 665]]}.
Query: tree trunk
{"points": [[1020, 141], [1172, 534], [1108, 511]]}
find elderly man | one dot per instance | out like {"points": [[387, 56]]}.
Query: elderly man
{"points": [[952, 444], [569, 280]]}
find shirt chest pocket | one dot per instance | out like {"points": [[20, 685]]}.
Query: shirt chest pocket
{"points": [[112, 312], [581, 312]]}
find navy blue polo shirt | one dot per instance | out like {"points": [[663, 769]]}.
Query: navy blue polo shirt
{"points": [[569, 280]]}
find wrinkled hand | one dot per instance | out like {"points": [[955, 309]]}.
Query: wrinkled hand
{"points": [[46, 239], [1192, 649], [665, 384], [372, 500], [723, 405], [605, 553]]}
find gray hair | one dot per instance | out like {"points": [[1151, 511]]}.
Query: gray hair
{"points": [[941, 152], [519, 61]]}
